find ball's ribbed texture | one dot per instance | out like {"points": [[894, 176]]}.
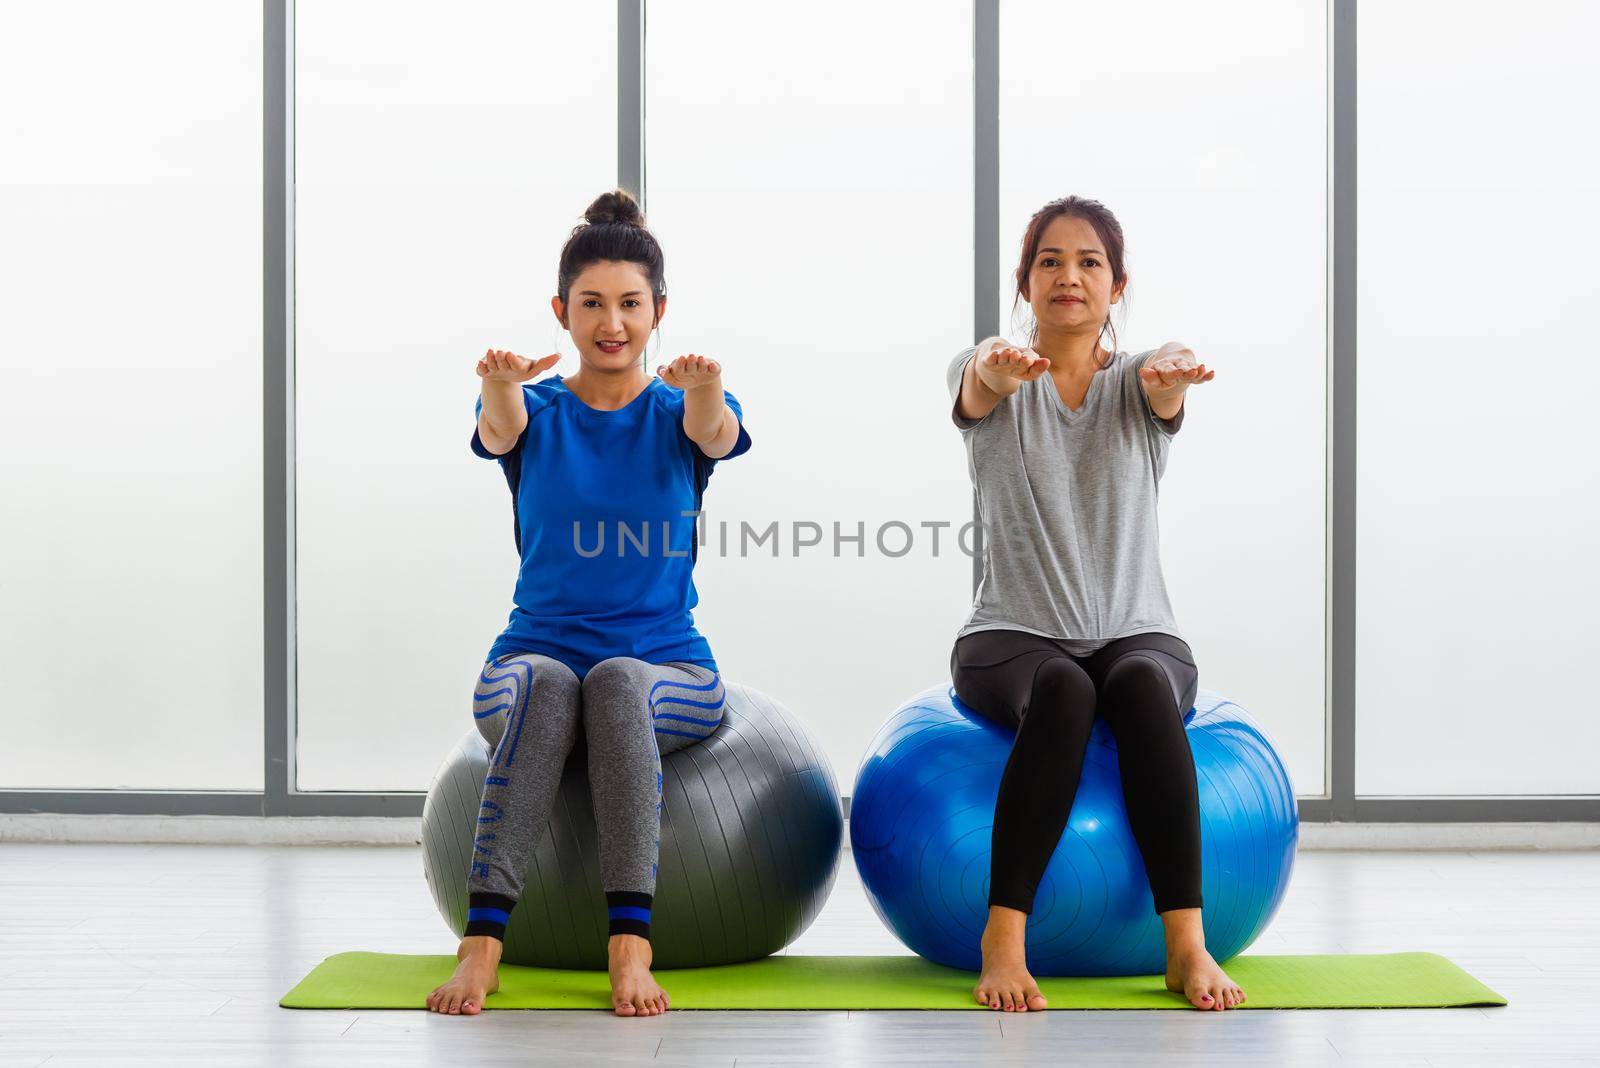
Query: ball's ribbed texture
{"points": [[922, 814]]}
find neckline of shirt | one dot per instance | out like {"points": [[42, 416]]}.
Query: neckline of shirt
{"points": [[581, 403], [1094, 384]]}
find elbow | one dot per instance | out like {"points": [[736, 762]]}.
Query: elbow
{"points": [[725, 425], [703, 436], [506, 433]]}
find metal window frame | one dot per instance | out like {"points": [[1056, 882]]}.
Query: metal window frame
{"points": [[281, 797]]}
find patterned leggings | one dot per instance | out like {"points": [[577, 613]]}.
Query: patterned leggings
{"points": [[528, 707]]}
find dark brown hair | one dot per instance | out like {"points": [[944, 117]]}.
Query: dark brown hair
{"points": [[1105, 225], [613, 230]]}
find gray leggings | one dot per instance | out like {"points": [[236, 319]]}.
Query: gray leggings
{"points": [[528, 708]]}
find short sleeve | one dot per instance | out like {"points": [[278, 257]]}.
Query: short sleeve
{"points": [[740, 446], [1167, 427], [952, 377], [478, 447]]}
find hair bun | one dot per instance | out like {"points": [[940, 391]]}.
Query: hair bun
{"points": [[617, 206]]}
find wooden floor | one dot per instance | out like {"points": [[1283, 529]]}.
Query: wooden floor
{"points": [[169, 955]]}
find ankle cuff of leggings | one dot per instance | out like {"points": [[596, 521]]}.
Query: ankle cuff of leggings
{"points": [[488, 914], [629, 912], [1012, 899], [1189, 901]]}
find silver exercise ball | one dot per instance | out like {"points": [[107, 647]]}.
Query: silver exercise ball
{"points": [[750, 841]]}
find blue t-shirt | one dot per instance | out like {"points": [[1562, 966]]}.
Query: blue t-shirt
{"points": [[598, 501]]}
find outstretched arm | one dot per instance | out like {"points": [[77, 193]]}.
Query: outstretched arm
{"points": [[707, 419], [996, 370], [504, 415], [1167, 374]]}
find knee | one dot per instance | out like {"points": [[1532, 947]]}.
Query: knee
{"points": [[616, 672], [1139, 693], [1061, 684], [1063, 693], [514, 679], [615, 685], [1139, 674], [510, 685]]}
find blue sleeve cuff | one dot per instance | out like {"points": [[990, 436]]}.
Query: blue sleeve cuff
{"points": [[741, 444], [480, 449]]}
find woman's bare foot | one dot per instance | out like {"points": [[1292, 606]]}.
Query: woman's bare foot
{"points": [[1192, 973], [1005, 982], [1190, 969], [477, 976], [634, 991]]}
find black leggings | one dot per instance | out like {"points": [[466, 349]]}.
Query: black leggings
{"points": [[1142, 685]]}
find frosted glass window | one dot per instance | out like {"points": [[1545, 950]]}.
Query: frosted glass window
{"points": [[441, 161], [1477, 482], [1203, 128], [817, 224], [130, 421]]}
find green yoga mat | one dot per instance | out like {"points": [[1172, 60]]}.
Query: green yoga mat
{"points": [[1383, 980]]}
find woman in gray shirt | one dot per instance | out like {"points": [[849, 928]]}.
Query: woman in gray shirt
{"points": [[1066, 444]]}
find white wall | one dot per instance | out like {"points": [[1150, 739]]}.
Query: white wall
{"points": [[820, 244], [441, 161], [817, 224], [1478, 496], [130, 416], [1201, 126]]}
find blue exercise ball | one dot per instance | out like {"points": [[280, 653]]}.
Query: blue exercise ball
{"points": [[922, 814]]}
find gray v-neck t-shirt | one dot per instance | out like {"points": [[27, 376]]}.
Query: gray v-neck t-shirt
{"points": [[1067, 499]]}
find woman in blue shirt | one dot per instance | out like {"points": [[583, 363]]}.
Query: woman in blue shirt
{"points": [[607, 470]]}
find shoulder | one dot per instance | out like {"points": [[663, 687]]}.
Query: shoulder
{"points": [[535, 396], [1130, 362], [954, 370], [665, 398], [955, 365], [542, 394], [670, 399]]}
